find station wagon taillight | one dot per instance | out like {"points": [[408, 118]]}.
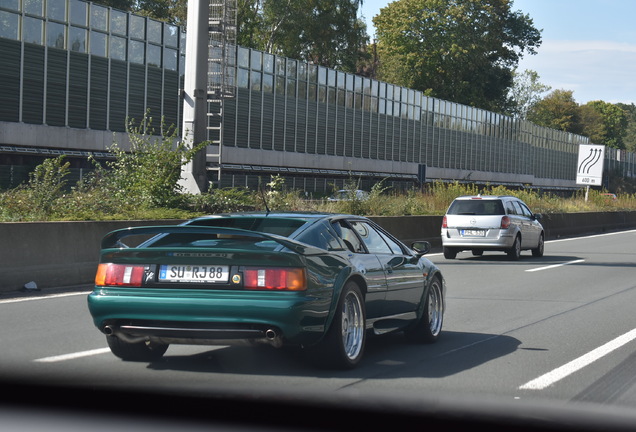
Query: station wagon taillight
{"points": [[444, 222], [505, 222], [109, 274], [274, 278]]}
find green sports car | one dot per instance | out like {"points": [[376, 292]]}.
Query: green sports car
{"points": [[319, 281]]}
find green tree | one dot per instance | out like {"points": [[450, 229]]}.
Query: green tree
{"points": [[614, 123], [459, 50], [525, 92], [591, 124], [249, 19], [323, 32], [171, 11], [630, 130], [124, 5], [558, 110]]}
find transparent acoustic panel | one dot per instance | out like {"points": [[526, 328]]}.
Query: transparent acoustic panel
{"points": [[56, 35], [9, 25], [56, 10], [98, 17], [78, 12], [77, 39], [32, 30]]}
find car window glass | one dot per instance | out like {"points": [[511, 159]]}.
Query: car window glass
{"points": [[510, 208], [526, 211], [395, 247], [321, 236], [349, 237], [518, 208], [371, 238], [280, 226], [481, 207]]}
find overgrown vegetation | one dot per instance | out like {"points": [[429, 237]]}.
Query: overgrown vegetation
{"points": [[144, 184]]}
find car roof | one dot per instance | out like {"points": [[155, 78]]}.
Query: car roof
{"points": [[307, 216], [467, 197]]}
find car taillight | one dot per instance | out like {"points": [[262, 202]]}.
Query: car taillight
{"points": [[444, 222], [274, 278], [119, 275], [505, 222]]}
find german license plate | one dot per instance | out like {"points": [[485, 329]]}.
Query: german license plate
{"points": [[194, 273], [474, 233]]}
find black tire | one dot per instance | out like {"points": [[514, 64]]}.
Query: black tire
{"points": [[538, 251], [449, 253], [478, 252], [514, 252], [343, 345], [429, 326], [140, 351]]}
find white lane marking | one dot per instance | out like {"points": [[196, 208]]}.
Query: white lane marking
{"points": [[72, 356], [555, 265], [558, 374], [591, 236], [46, 297]]}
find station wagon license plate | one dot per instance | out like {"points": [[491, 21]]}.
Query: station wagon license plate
{"points": [[473, 233], [194, 273]]}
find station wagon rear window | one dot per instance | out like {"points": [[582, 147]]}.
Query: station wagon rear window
{"points": [[476, 207]]}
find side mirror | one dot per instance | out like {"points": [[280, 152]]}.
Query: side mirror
{"points": [[421, 247], [538, 216]]}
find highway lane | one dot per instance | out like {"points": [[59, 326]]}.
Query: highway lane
{"points": [[553, 328], [575, 299]]}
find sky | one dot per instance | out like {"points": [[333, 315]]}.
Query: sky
{"points": [[589, 46]]}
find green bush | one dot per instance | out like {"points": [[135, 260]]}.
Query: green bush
{"points": [[144, 184], [38, 198], [219, 201], [148, 175]]}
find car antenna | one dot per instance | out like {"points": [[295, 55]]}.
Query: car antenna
{"points": [[264, 200]]}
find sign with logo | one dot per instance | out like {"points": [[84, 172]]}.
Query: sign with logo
{"points": [[589, 170]]}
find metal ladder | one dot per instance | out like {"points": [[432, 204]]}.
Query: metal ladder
{"points": [[221, 78]]}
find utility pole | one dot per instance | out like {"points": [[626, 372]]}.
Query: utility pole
{"points": [[210, 70], [195, 90]]}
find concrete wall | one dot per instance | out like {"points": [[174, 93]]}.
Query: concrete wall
{"points": [[54, 254], [59, 254], [61, 138]]}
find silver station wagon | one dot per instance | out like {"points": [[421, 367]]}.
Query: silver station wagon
{"points": [[496, 223]]}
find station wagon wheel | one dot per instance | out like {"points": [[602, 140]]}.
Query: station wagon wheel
{"points": [[449, 253], [139, 351], [538, 251], [429, 326], [515, 251], [343, 344]]}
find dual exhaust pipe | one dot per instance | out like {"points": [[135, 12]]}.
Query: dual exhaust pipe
{"points": [[189, 336]]}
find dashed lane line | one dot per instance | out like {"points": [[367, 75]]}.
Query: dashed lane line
{"points": [[567, 369]]}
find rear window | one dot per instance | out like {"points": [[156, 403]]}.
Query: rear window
{"points": [[206, 241], [476, 207], [280, 226]]}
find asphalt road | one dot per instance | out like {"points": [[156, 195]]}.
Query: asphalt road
{"points": [[561, 328]]}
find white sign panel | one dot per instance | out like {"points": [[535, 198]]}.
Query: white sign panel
{"points": [[589, 171]]}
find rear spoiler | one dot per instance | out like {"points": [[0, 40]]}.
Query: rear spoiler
{"points": [[113, 239]]}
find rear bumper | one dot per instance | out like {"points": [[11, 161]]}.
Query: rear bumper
{"points": [[495, 240], [205, 317], [167, 332]]}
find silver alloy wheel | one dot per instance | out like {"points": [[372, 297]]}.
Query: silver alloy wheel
{"points": [[352, 325], [538, 252], [515, 251], [435, 308]]}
